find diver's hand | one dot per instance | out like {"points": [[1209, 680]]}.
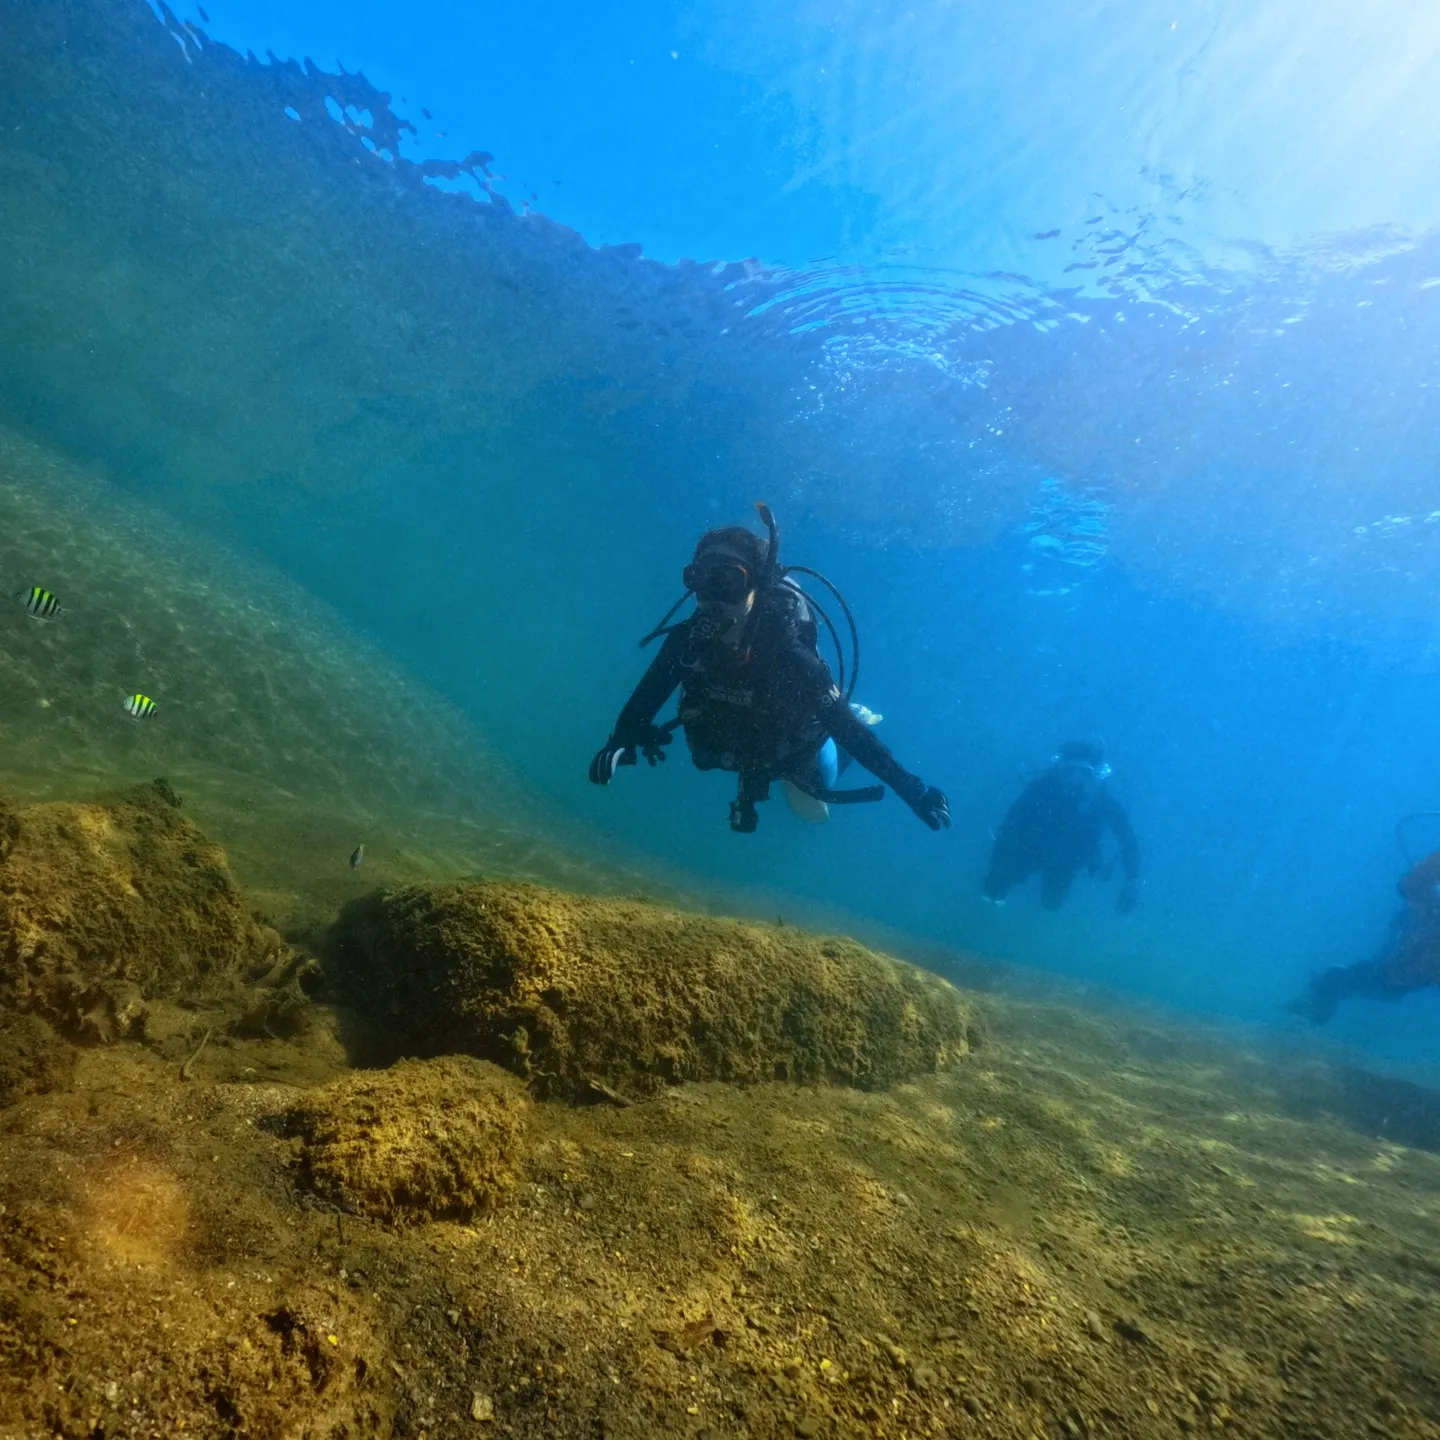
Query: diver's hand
{"points": [[653, 743], [1129, 894], [929, 804], [607, 758]]}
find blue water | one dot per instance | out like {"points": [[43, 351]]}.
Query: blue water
{"points": [[1091, 349]]}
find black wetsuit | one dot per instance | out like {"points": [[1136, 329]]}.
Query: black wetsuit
{"points": [[1409, 961], [1055, 829], [762, 708]]}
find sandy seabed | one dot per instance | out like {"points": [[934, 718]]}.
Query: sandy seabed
{"points": [[1089, 1224]]}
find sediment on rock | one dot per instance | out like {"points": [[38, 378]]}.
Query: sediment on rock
{"points": [[600, 998], [105, 906], [423, 1140], [33, 1059]]}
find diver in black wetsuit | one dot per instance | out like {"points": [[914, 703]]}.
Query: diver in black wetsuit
{"points": [[1410, 959], [755, 696], [1055, 828]]}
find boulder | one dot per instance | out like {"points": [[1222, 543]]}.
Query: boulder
{"points": [[106, 906], [592, 998], [423, 1140], [33, 1059]]}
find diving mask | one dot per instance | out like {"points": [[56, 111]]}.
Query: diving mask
{"points": [[718, 580], [1080, 772]]}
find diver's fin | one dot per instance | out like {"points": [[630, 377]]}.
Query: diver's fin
{"points": [[805, 806]]}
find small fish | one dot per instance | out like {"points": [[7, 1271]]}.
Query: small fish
{"points": [[356, 856], [39, 602], [140, 706]]}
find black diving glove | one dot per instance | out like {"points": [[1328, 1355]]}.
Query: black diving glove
{"points": [[1129, 894], [608, 758], [653, 743], [612, 754], [927, 802]]}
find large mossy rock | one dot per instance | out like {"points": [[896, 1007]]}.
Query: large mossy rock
{"points": [[105, 906], [585, 996]]}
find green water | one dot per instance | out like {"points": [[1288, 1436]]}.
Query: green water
{"points": [[291, 739]]}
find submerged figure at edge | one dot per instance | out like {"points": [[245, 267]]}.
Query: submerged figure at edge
{"points": [[756, 698], [1409, 961], [1055, 829]]}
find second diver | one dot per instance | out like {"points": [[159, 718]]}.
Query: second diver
{"points": [[756, 698], [1409, 960], [1055, 829]]}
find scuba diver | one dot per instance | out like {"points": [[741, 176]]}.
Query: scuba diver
{"points": [[1410, 959], [1055, 828], [755, 696]]}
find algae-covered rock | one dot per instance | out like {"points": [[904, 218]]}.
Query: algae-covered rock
{"points": [[104, 906], [33, 1059], [426, 1139], [584, 996]]}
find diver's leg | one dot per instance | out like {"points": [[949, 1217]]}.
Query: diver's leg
{"points": [[1410, 961], [1009, 865], [865, 716], [1370, 979], [821, 774], [829, 763], [1055, 885]]}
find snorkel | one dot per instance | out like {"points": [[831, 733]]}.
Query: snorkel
{"points": [[772, 550]]}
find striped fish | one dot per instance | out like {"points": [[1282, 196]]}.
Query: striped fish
{"points": [[39, 602], [140, 706]]}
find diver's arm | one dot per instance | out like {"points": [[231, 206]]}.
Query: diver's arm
{"points": [[1119, 822], [1018, 826], [805, 668], [1421, 882], [656, 686], [1029, 813], [861, 743], [852, 734], [635, 729]]}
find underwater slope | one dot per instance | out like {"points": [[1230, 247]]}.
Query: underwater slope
{"points": [[1088, 1226], [980, 1217], [289, 737]]}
